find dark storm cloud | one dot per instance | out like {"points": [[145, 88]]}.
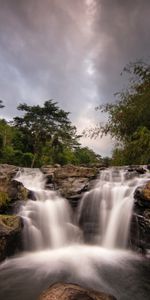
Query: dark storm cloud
{"points": [[123, 35], [42, 47], [70, 50]]}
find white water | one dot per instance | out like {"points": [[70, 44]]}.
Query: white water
{"points": [[47, 221], [56, 241], [106, 210], [103, 216]]}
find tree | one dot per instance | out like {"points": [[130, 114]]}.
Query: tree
{"points": [[45, 126], [129, 117], [86, 156]]}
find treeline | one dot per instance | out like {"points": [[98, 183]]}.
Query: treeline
{"points": [[42, 135], [129, 118]]}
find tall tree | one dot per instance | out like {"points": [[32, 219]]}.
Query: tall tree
{"points": [[45, 125], [129, 117]]}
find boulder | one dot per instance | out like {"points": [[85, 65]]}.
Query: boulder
{"points": [[10, 190], [67, 291], [75, 171], [140, 232], [10, 235], [70, 181], [140, 223], [142, 195]]}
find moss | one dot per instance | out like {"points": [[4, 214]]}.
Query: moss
{"points": [[146, 191], [23, 193], [4, 199], [10, 221]]}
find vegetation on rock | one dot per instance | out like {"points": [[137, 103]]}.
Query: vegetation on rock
{"points": [[4, 199], [10, 235]]}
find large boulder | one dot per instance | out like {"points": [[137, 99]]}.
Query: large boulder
{"points": [[10, 190], [140, 224], [142, 195], [67, 291], [10, 235], [71, 181]]}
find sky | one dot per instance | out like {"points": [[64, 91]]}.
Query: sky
{"points": [[72, 51]]}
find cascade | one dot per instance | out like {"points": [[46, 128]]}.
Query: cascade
{"points": [[87, 247], [105, 212], [103, 215], [47, 221]]}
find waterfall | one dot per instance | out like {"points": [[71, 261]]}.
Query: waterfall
{"points": [[105, 212], [81, 246], [103, 216], [47, 221]]}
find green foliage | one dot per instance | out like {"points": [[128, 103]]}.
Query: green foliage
{"points": [[137, 151], [129, 118], [106, 161], [43, 135], [47, 126], [27, 159], [86, 156]]}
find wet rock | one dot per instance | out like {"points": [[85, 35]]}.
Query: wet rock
{"points": [[141, 170], [140, 224], [71, 181], [137, 169], [75, 171], [67, 291], [10, 190], [139, 233], [10, 235], [142, 195]]}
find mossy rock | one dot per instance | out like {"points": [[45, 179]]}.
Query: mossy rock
{"points": [[10, 223], [10, 235], [4, 199], [146, 192], [142, 195]]}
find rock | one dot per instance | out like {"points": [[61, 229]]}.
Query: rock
{"points": [[140, 223], [10, 190], [139, 232], [141, 170], [142, 195], [67, 291], [75, 171], [71, 181], [10, 235]]}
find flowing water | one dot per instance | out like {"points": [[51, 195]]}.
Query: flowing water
{"points": [[88, 247]]}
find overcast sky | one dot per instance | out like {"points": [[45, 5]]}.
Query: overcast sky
{"points": [[71, 51]]}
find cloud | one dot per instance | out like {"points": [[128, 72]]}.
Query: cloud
{"points": [[122, 35], [70, 51]]}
